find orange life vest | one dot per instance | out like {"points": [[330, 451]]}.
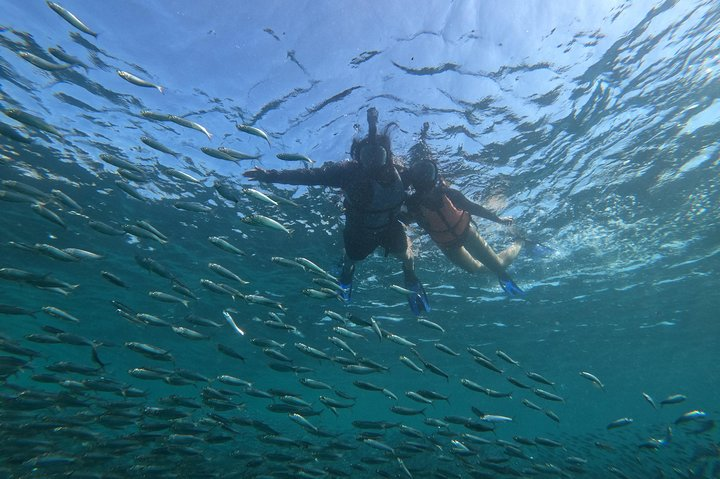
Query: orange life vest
{"points": [[447, 224]]}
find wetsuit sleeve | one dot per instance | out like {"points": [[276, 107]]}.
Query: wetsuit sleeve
{"points": [[460, 201], [329, 174], [410, 212]]}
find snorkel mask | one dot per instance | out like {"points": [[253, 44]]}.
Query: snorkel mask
{"points": [[424, 175], [371, 154]]}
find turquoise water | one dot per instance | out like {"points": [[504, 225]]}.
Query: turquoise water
{"points": [[594, 126]]}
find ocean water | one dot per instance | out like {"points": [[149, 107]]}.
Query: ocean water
{"points": [[593, 124]]}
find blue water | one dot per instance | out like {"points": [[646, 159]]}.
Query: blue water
{"points": [[592, 124]]}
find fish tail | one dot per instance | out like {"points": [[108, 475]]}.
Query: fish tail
{"points": [[161, 89], [186, 302]]}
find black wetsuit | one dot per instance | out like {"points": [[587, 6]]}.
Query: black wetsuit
{"points": [[372, 203]]}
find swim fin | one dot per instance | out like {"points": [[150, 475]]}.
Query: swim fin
{"points": [[418, 301], [345, 291], [509, 286]]}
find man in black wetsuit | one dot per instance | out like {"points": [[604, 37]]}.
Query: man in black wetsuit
{"points": [[374, 193]]}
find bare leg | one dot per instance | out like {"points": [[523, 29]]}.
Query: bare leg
{"points": [[408, 263], [461, 258], [478, 256]]}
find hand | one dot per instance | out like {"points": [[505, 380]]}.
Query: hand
{"points": [[257, 174], [505, 220]]}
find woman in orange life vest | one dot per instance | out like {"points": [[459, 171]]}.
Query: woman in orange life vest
{"points": [[445, 214]]}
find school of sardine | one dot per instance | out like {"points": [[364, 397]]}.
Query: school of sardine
{"points": [[284, 397]]}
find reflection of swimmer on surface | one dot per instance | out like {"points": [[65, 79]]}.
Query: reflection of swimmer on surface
{"points": [[374, 194], [445, 214]]}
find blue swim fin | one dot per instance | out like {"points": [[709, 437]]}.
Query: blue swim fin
{"points": [[345, 291], [418, 301], [509, 286]]}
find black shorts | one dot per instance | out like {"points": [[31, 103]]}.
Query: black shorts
{"points": [[360, 242]]}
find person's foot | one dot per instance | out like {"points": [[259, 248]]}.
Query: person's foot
{"points": [[509, 286], [345, 291], [418, 300]]}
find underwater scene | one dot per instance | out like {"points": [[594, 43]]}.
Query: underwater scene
{"points": [[221, 256]]}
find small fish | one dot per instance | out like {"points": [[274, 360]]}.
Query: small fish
{"points": [[673, 399], [294, 157], [223, 244], [231, 321], [216, 153], [259, 196], [64, 56], [298, 419], [226, 273], [430, 324], [472, 385], [406, 411], [400, 340], [193, 206], [649, 400], [691, 416], [347, 333], [168, 298], [113, 279], [314, 384], [238, 155], [260, 220], [253, 131], [48, 214], [418, 397], [42, 63], [593, 379], [129, 77], [333, 403], [446, 349], [487, 364], [310, 266], [82, 254], [156, 145], [531, 405], [71, 18], [495, 418], [152, 352], [376, 328], [505, 357], [517, 383], [60, 314], [190, 124], [379, 445], [549, 396], [401, 290], [552, 415], [310, 351], [228, 351], [625, 421], [544, 441], [189, 333], [32, 120], [15, 310], [538, 378], [65, 200]]}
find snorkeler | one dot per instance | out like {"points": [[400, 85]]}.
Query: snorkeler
{"points": [[374, 194], [445, 214]]}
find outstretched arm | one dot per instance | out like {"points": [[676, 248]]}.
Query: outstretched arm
{"points": [[460, 201], [330, 174]]}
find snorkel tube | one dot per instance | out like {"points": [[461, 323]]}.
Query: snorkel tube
{"points": [[372, 119]]}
